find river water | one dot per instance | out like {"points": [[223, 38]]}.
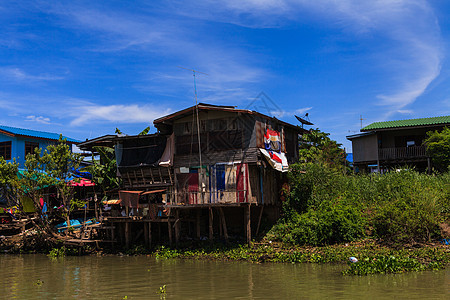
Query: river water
{"points": [[139, 277]]}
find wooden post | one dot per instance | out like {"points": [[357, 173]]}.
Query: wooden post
{"points": [[198, 222], [211, 233], [248, 228], [259, 220], [177, 227], [159, 231], [220, 224], [150, 234], [95, 205], [112, 235], [127, 234], [224, 224], [85, 213], [120, 229], [145, 233], [169, 228]]}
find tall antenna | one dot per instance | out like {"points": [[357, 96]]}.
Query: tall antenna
{"points": [[361, 119], [195, 84], [198, 122]]}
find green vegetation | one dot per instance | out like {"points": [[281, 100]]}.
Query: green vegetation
{"points": [[38, 282], [317, 147], [373, 258], [325, 206], [438, 147], [162, 290], [57, 252], [389, 264]]}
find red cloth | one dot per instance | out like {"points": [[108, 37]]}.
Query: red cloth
{"points": [[275, 157]]}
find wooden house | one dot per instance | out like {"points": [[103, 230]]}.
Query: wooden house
{"points": [[395, 143], [206, 159]]}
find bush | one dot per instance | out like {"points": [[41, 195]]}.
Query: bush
{"points": [[399, 222], [328, 225], [325, 206]]}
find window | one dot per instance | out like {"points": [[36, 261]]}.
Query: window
{"points": [[30, 146], [5, 150], [410, 143]]}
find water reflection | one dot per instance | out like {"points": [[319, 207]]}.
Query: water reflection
{"points": [[140, 278]]}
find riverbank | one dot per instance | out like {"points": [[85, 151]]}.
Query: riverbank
{"points": [[372, 257]]}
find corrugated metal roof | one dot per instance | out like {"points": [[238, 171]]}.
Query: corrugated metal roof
{"points": [[444, 120], [35, 133]]}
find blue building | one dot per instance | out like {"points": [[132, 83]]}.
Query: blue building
{"points": [[17, 142]]}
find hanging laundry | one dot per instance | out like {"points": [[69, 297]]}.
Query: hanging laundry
{"points": [[277, 160], [272, 140]]}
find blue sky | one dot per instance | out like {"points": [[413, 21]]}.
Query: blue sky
{"points": [[83, 68]]}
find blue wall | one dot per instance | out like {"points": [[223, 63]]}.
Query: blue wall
{"points": [[18, 146]]}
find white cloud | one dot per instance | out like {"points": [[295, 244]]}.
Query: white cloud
{"points": [[85, 113], [231, 68], [405, 111], [291, 113], [410, 28], [21, 75], [39, 119], [303, 110]]}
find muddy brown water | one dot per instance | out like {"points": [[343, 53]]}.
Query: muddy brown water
{"points": [[114, 277]]}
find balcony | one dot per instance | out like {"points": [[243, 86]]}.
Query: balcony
{"points": [[402, 153]]}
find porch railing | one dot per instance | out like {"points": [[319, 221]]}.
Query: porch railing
{"points": [[413, 152]]}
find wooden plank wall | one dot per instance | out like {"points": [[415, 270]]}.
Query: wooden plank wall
{"points": [[249, 155], [146, 177]]}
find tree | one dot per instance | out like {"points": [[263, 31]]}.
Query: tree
{"points": [[438, 148], [33, 179], [8, 176], [317, 147], [59, 163], [28, 183], [104, 171]]}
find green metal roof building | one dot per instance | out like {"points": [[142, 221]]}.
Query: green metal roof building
{"points": [[392, 144]]}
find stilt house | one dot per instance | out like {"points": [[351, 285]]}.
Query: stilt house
{"points": [[208, 157]]}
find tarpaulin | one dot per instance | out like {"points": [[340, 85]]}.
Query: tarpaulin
{"points": [[81, 182], [277, 160], [141, 151], [167, 157]]}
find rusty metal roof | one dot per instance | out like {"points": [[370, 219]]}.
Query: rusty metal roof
{"points": [[206, 107]]}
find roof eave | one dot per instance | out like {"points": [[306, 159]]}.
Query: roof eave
{"points": [[405, 127], [232, 109]]}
